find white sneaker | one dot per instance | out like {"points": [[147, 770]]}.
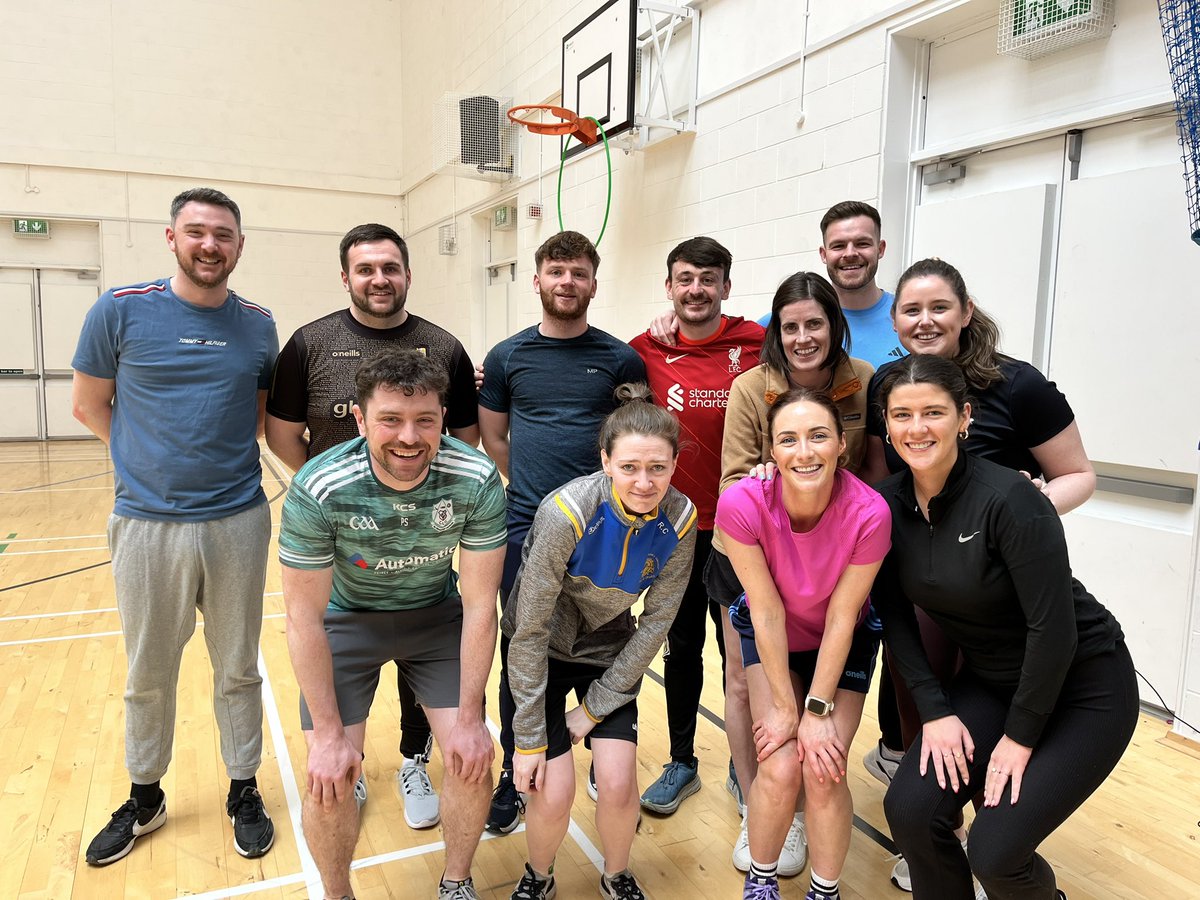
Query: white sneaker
{"points": [[360, 792], [900, 876], [880, 767], [902, 879], [421, 807], [741, 850], [794, 855]]}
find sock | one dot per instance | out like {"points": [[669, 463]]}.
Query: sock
{"points": [[543, 876], [148, 796], [237, 785], [452, 884], [610, 876], [889, 754], [763, 871], [819, 885]]}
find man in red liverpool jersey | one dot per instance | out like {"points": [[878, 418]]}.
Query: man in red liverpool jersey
{"points": [[692, 378]]}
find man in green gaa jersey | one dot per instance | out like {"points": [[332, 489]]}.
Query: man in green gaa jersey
{"points": [[368, 533]]}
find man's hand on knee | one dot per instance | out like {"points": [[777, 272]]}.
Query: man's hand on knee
{"points": [[469, 751], [334, 764]]}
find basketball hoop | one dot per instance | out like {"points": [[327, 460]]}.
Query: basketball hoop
{"points": [[583, 129]]}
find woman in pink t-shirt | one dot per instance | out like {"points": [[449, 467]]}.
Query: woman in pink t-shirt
{"points": [[806, 546]]}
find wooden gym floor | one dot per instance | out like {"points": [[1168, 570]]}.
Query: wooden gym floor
{"points": [[62, 665]]}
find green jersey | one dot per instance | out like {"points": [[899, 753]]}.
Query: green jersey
{"points": [[390, 549]]}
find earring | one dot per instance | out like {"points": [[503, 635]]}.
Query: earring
{"points": [[887, 436], [965, 433]]}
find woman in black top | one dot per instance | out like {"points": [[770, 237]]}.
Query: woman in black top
{"points": [[1021, 420], [1046, 700]]}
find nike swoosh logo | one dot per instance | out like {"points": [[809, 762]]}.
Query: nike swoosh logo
{"points": [[671, 359], [963, 540]]}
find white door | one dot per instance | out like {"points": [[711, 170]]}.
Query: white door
{"points": [[65, 298], [20, 417], [41, 313]]}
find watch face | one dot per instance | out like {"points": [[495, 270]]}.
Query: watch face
{"points": [[817, 706]]}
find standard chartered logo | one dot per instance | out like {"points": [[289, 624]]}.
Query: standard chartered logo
{"points": [[696, 398]]}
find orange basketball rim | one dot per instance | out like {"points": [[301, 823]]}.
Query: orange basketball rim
{"points": [[576, 126]]}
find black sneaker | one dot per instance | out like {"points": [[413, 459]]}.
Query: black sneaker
{"points": [[127, 824], [530, 887], [507, 805], [253, 831], [622, 886]]}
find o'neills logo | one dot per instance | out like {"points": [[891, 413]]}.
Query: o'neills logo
{"points": [[408, 562]]}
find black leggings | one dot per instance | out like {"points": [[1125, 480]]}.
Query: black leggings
{"points": [[683, 655], [1088, 731], [414, 724]]}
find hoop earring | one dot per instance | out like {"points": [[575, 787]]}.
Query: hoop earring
{"points": [[964, 434], [887, 436]]}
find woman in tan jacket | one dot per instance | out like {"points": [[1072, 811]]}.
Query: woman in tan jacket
{"points": [[805, 346]]}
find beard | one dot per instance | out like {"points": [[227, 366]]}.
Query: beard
{"points": [[566, 309], [363, 303], [188, 265], [851, 282]]}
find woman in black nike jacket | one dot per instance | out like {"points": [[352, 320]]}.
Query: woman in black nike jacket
{"points": [[1046, 700]]}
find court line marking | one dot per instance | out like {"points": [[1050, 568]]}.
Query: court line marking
{"points": [[44, 552], [287, 777], [110, 609], [99, 634]]}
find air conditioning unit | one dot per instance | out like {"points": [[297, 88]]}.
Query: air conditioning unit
{"points": [[473, 138]]}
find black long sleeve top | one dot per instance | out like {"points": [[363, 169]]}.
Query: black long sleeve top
{"points": [[990, 567]]}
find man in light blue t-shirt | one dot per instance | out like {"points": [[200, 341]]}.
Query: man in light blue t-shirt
{"points": [[172, 375], [851, 247]]}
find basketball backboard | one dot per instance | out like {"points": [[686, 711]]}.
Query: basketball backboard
{"points": [[598, 68]]}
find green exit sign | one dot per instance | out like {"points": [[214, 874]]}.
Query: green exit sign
{"points": [[31, 228]]}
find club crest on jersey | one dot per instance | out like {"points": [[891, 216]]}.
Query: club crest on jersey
{"points": [[649, 568], [443, 515], [735, 360]]}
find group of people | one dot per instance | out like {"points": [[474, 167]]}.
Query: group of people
{"points": [[865, 466]]}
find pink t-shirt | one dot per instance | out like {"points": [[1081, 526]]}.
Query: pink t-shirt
{"points": [[855, 529]]}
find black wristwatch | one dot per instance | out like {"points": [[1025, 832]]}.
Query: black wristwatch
{"points": [[818, 707]]}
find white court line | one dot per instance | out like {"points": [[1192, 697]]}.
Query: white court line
{"points": [[38, 540], [47, 490], [55, 615], [6, 555], [52, 640], [291, 792], [96, 634]]}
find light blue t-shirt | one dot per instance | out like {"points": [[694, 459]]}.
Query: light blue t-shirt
{"points": [[185, 416], [872, 337]]}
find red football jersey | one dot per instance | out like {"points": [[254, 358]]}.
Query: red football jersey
{"points": [[692, 380]]}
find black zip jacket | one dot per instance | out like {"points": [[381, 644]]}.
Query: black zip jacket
{"points": [[990, 567]]}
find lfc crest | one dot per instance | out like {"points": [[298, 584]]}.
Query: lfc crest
{"points": [[735, 360], [443, 515]]}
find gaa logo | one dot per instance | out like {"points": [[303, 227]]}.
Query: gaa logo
{"points": [[363, 523], [443, 515]]}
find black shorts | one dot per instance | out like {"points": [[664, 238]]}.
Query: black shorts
{"points": [[720, 579], [860, 661], [564, 677]]}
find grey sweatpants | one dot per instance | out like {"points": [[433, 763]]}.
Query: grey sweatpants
{"points": [[164, 572]]}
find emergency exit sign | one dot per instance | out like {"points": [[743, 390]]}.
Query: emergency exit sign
{"points": [[31, 228]]}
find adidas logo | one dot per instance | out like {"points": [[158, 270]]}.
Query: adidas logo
{"points": [[897, 352]]}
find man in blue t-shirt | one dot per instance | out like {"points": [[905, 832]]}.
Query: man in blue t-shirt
{"points": [[851, 247], [172, 375], [545, 392]]}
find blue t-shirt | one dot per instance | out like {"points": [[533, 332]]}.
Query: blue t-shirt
{"points": [[556, 392], [872, 337], [184, 437]]}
